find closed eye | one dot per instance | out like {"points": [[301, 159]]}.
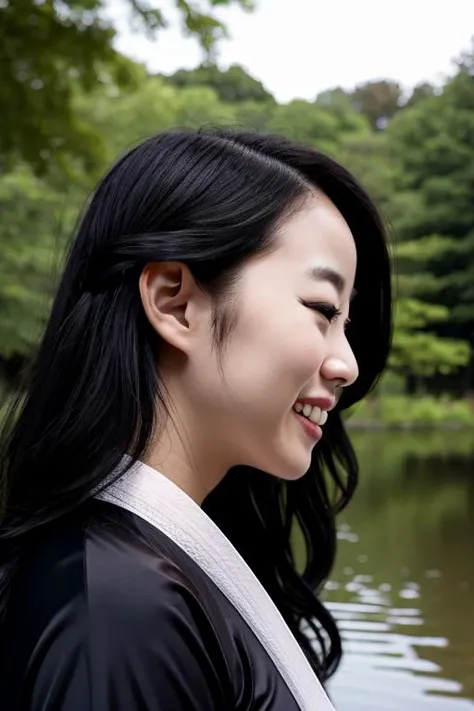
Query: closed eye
{"points": [[329, 311]]}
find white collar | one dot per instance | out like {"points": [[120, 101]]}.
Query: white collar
{"points": [[152, 496]]}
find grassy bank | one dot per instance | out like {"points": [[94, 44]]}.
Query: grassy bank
{"points": [[417, 412]]}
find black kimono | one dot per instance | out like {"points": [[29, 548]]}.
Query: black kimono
{"points": [[108, 614]]}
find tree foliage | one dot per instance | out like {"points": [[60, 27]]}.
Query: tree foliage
{"points": [[379, 101], [31, 210], [434, 147], [231, 85], [51, 49]]}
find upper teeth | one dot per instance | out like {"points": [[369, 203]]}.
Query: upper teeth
{"points": [[313, 413]]}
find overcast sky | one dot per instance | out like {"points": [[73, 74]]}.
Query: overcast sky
{"points": [[298, 48]]}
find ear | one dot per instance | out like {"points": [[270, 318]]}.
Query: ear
{"points": [[169, 294]]}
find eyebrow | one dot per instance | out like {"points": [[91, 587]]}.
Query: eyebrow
{"points": [[333, 277]]}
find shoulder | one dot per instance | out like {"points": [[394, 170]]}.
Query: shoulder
{"points": [[128, 563], [101, 607], [107, 564], [133, 583]]}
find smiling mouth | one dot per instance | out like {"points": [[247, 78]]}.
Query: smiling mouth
{"points": [[312, 413], [313, 431]]}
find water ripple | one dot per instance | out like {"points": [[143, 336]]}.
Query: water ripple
{"points": [[386, 665]]}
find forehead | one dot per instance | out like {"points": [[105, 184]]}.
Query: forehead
{"points": [[316, 239]]}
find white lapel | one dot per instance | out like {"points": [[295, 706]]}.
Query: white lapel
{"points": [[150, 495]]}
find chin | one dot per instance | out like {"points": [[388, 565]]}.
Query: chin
{"points": [[284, 462], [291, 470], [292, 475]]}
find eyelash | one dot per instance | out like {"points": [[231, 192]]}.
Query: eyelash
{"points": [[329, 311]]}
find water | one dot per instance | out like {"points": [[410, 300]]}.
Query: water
{"points": [[403, 587]]}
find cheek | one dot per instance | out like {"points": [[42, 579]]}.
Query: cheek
{"points": [[310, 352], [303, 355], [297, 340], [269, 360]]}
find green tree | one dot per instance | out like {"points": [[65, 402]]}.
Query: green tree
{"points": [[433, 142], [231, 85], [155, 106], [367, 155], [337, 97], [419, 92], [316, 124], [34, 216], [379, 101], [418, 352], [50, 50]]}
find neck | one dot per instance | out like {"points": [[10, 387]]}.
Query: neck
{"points": [[193, 469]]}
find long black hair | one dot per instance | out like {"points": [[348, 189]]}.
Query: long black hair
{"points": [[208, 199]]}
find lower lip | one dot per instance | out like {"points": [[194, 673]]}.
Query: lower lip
{"points": [[312, 430]]}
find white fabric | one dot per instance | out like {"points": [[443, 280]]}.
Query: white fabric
{"points": [[150, 495]]}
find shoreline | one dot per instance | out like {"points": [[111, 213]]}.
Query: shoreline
{"points": [[369, 426]]}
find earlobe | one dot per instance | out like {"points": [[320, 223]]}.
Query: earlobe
{"points": [[165, 289]]}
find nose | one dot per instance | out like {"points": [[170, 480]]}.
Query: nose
{"points": [[340, 365]]}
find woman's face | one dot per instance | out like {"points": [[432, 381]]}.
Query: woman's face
{"points": [[287, 346]]}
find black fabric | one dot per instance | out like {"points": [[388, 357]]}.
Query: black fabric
{"points": [[108, 614]]}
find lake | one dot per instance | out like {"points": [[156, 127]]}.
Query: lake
{"points": [[403, 586]]}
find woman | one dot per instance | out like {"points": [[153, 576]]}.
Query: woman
{"points": [[226, 297]]}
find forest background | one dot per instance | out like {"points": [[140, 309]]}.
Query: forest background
{"points": [[71, 104]]}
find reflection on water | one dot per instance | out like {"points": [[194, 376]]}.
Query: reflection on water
{"points": [[403, 587]]}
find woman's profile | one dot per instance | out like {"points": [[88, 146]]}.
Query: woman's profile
{"points": [[225, 298]]}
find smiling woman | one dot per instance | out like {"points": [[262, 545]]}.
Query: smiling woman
{"points": [[204, 336]]}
